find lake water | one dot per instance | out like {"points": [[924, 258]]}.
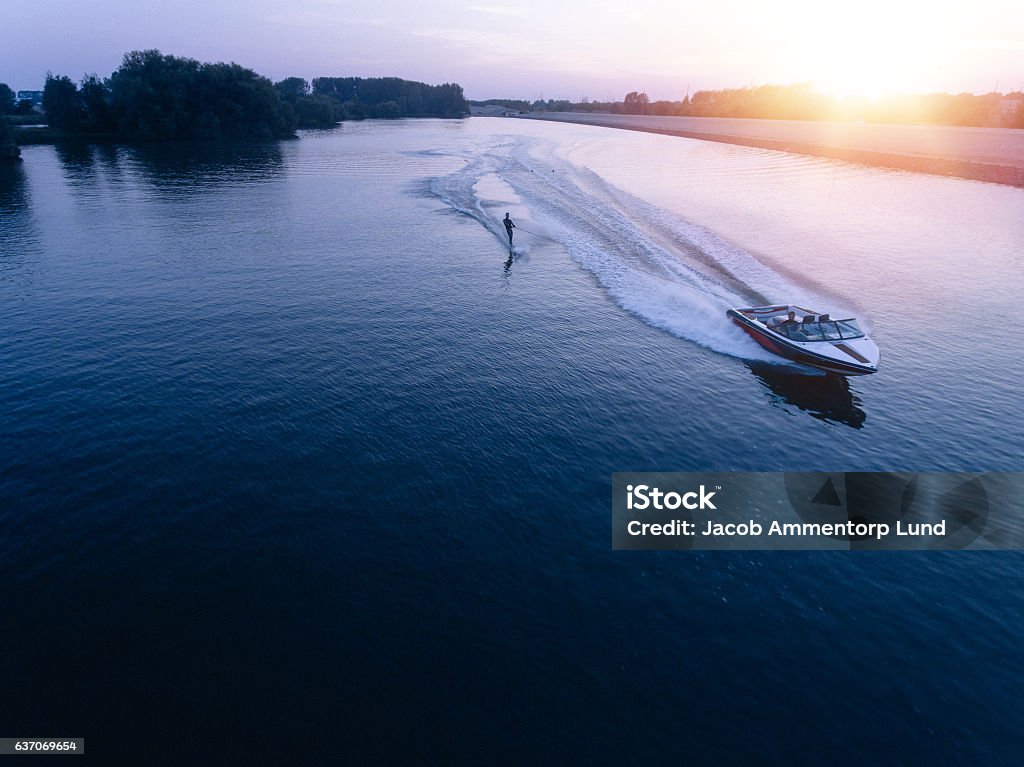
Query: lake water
{"points": [[297, 461]]}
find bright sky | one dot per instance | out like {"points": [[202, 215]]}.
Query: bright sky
{"points": [[550, 48]]}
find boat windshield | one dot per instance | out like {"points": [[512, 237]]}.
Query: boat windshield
{"points": [[834, 330]]}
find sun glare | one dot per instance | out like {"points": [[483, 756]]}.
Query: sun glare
{"points": [[874, 49]]}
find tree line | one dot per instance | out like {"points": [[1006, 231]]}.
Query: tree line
{"points": [[391, 97], [9, 105], [153, 96], [803, 102], [8, 146], [513, 105], [156, 97]]}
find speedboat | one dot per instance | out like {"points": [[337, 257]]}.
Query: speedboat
{"points": [[798, 334]]}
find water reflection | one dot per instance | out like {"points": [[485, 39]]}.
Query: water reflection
{"points": [[186, 166], [77, 160], [826, 397], [172, 166], [13, 189], [18, 232]]}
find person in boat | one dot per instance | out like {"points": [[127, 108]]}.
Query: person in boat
{"points": [[509, 226], [790, 320]]}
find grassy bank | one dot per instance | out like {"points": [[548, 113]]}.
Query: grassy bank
{"points": [[44, 134], [32, 119]]}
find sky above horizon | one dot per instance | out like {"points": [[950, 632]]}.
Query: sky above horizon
{"points": [[530, 49]]}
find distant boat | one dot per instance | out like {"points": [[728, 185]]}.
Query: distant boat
{"points": [[838, 346]]}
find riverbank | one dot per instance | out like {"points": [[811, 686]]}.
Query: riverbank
{"points": [[995, 155], [41, 134]]}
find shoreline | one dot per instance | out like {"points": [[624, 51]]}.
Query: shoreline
{"points": [[955, 167]]}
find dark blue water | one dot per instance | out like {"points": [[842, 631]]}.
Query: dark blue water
{"points": [[296, 464]]}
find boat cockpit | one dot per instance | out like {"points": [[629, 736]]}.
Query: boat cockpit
{"points": [[830, 330], [806, 326]]}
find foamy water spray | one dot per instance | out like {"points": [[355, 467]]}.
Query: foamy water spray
{"points": [[672, 274]]}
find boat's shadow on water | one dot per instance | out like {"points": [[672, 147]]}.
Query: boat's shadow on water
{"points": [[827, 397]]}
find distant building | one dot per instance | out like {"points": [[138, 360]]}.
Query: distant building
{"points": [[36, 97]]}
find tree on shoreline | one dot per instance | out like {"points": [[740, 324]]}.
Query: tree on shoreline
{"points": [[156, 97], [96, 102], [802, 102], [635, 103], [165, 97], [392, 97], [63, 104], [8, 103], [8, 148], [310, 111], [153, 96]]}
